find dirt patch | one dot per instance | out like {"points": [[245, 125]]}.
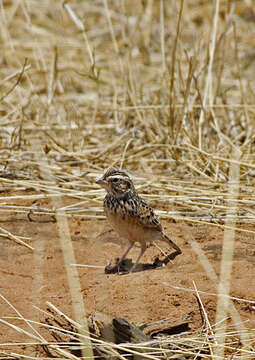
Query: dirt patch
{"points": [[29, 279]]}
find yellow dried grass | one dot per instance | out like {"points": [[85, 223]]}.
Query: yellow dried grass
{"points": [[100, 83]]}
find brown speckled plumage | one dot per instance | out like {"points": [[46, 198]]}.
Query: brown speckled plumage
{"points": [[130, 216]]}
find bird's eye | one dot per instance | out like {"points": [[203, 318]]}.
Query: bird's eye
{"points": [[115, 180]]}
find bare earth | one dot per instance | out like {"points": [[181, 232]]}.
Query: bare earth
{"points": [[29, 279]]}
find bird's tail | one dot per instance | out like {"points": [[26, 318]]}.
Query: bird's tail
{"points": [[169, 241]]}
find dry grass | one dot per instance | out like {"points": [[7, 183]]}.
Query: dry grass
{"points": [[189, 345], [115, 91], [167, 95]]}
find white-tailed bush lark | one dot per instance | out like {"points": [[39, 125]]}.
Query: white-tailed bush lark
{"points": [[129, 215]]}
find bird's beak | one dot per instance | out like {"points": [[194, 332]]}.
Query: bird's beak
{"points": [[101, 182]]}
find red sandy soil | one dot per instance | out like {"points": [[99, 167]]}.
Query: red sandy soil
{"points": [[29, 279]]}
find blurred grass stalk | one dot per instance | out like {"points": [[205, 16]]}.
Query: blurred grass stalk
{"points": [[223, 304], [78, 309]]}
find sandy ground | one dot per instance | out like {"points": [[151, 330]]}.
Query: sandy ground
{"points": [[29, 279]]}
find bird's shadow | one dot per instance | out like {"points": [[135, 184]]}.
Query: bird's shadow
{"points": [[126, 265]]}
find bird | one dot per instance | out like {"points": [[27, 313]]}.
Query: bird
{"points": [[129, 215]]}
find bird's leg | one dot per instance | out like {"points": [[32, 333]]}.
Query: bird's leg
{"points": [[116, 268], [125, 254], [143, 248]]}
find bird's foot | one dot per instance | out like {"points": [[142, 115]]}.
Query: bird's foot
{"points": [[119, 268]]}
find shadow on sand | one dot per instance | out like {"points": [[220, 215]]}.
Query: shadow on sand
{"points": [[126, 265]]}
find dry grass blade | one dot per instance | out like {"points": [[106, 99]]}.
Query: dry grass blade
{"points": [[24, 68], [227, 255], [208, 84], [35, 333], [209, 293], [15, 238]]}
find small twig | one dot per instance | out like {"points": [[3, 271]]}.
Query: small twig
{"points": [[15, 238], [205, 320], [17, 82], [88, 266], [172, 79]]}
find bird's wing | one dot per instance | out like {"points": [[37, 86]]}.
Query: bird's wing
{"points": [[142, 213]]}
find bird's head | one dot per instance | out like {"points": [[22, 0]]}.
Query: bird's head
{"points": [[116, 182]]}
